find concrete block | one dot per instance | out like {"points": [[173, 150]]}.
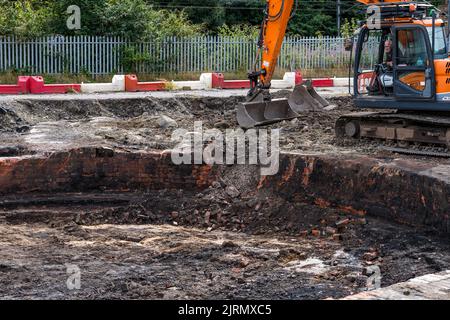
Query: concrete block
{"points": [[207, 80], [117, 85], [191, 85]]}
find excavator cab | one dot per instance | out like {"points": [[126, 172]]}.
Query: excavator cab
{"points": [[416, 48], [416, 88]]}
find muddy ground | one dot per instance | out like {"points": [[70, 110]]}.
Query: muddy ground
{"points": [[137, 124], [148, 123], [222, 242], [151, 248]]}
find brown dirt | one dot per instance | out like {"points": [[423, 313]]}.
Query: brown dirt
{"points": [[133, 123], [219, 243], [172, 245]]}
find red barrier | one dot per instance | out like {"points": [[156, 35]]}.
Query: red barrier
{"points": [[37, 86], [298, 78], [323, 83], [22, 86], [219, 82], [133, 85]]}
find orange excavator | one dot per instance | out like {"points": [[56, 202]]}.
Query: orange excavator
{"points": [[401, 63], [260, 108]]}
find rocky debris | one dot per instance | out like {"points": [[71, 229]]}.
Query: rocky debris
{"points": [[10, 121], [166, 122], [232, 191], [13, 151], [145, 123]]}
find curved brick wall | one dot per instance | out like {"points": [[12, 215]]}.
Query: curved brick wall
{"points": [[404, 191]]}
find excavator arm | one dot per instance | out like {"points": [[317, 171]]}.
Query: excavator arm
{"points": [[277, 16], [260, 108]]}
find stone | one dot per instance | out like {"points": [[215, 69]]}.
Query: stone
{"points": [[330, 230], [315, 233], [330, 107], [166, 122], [229, 244], [232, 192], [370, 256], [342, 223], [207, 217], [222, 125]]}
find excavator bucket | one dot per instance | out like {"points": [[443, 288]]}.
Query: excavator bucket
{"points": [[258, 113]]}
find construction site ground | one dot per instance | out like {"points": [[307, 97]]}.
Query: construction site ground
{"points": [[227, 234]]}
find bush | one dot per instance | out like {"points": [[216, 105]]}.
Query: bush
{"points": [[27, 18], [245, 31], [165, 23]]}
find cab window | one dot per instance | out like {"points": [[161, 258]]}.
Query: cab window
{"points": [[411, 48], [440, 45]]}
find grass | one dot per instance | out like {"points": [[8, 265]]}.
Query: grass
{"points": [[11, 77]]}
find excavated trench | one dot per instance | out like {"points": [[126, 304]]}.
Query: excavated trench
{"points": [[87, 183]]}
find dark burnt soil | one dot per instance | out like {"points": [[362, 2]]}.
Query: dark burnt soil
{"points": [[135, 123], [175, 245], [41, 126], [224, 242]]}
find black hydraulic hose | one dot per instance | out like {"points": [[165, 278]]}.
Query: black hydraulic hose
{"points": [[294, 10], [350, 67], [433, 38]]}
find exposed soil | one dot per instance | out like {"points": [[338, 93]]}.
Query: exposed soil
{"points": [[37, 126], [145, 251], [223, 242], [135, 123]]}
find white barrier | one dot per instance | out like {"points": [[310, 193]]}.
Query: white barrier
{"points": [[341, 82], [288, 81], [205, 83], [117, 85], [189, 85], [206, 80]]}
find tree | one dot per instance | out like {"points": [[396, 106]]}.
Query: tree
{"points": [[25, 18], [91, 17], [208, 13], [127, 18]]}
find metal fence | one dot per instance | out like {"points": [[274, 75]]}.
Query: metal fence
{"points": [[108, 55]]}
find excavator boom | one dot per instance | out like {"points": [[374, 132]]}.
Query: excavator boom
{"points": [[260, 108], [274, 28]]}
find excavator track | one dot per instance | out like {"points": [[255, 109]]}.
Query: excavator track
{"points": [[403, 128], [413, 152]]}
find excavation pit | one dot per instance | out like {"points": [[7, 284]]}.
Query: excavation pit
{"points": [[140, 227]]}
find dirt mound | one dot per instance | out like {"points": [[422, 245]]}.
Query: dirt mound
{"points": [[36, 111], [135, 122], [232, 204], [10, 121]]}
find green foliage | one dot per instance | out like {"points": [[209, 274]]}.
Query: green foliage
{"points": [[131, 58], [134, 19], [26, 18], [349, 27], [141, 19], [92, 17], [163, 23], [127, 18], [245, 31]]}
